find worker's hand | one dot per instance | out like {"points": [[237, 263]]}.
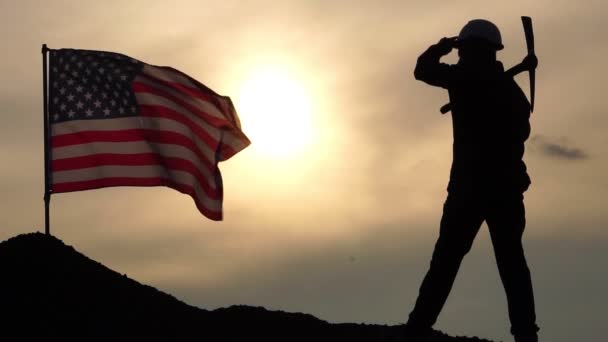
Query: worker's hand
{"points": [[530, 62], [445, 45]]}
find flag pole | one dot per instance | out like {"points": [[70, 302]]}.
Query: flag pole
{"points": [[45, 116]]}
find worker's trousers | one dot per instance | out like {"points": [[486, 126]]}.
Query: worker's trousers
{"points": [[462, 218]]}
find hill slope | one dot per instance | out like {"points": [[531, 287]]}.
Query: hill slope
{"points": [[48, 289]]}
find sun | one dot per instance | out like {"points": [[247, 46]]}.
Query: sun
{"points": [[275, 110]]}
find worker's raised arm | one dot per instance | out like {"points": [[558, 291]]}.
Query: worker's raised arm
{"points": [[430, 70]]}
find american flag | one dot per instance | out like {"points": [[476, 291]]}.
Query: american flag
{"points": [[116, 121]]}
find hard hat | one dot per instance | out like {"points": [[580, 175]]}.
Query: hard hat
{"points": [[482, 29]]}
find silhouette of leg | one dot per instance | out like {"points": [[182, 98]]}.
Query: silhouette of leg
{"points": [[460, 223], [506, 221]]}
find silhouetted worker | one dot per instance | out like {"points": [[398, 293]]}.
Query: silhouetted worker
{"points": [[490, 117]]}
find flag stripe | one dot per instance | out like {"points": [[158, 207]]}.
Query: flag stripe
{"points": [[163, 112], [159, 106], [155, 106], [150, 96], [210, 208], [82, 127], [172, 79], [143, 82], [171, 163], [137, 147], [68, 127], [127, 135], [133, 172], [132, 135], [117, 171], [134, 147]]}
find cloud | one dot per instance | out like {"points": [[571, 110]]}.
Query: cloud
{"points": [[559, 148]]}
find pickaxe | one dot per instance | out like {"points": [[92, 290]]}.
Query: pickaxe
{"points": [[527, 22]]}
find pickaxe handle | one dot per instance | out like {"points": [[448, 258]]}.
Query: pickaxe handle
{"points": [[529, 32]]}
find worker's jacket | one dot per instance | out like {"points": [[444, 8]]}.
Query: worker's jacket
{"points": [[490, 119]]}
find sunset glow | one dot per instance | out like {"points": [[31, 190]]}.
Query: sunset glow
{"points": [[276, 112]]}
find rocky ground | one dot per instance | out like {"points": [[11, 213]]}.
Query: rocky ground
{"points": [[49, 290]]}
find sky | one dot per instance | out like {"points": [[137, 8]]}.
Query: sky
{"points": [[334, 208]]}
